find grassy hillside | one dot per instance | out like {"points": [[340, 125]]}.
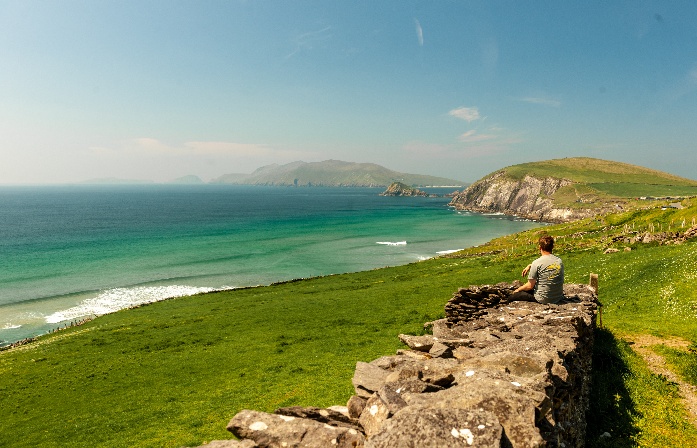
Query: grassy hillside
{"points": [[173, 373], [333, 173], [603, 177]]}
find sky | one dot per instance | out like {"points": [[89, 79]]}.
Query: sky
{"points": [[157, 90]]}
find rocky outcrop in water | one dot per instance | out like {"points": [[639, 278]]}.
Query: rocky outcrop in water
{"points": [[530, 198], [400, 189], [493, 373]]}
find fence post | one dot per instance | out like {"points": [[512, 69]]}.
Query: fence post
{"points": [[594, 284]]}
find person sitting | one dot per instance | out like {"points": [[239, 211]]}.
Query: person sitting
{"points": [[545, 277]]}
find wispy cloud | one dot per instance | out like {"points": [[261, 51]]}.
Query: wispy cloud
{"points": [[472, 136], [469, 114], [542, 101], [419, 32], [310, 40]]}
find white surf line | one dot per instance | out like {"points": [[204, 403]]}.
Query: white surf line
{"points": [[390, 243]]}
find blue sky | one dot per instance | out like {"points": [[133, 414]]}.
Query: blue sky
{"points": [[162, 89]]}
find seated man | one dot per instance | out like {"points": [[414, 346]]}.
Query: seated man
{"points": [[545, 277]]}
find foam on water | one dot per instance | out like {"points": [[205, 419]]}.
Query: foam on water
{"points": [[451, 251], [390, 243], [10, 326], [116, 299]]}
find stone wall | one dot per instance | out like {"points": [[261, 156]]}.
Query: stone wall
{"points": [[493, 373]]}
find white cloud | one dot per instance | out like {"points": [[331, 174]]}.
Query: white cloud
{"points": [[419, 33], [469, 114], [152, 145]]}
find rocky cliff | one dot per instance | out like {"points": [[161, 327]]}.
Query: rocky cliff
{"points": [[530, 197]]}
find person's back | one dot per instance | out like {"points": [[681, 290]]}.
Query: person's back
{"points": [[545, 276], [548, 270]]}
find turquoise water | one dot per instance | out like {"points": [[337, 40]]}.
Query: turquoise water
{"points": [[75, 251]]}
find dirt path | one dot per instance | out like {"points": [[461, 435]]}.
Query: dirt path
{"points": [[657, 364]]}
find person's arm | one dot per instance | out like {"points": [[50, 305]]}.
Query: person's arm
{"points": [[529, 286], [526, 269]]}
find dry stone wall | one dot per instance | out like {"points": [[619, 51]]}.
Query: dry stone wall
{"points": [[493, 373]]}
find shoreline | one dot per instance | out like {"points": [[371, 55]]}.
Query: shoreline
{"points": [[70, 323]]}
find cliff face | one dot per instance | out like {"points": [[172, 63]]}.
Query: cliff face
{"points": [[529, 198]]}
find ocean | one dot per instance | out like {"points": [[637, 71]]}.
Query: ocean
{"points": [[74, 252]]}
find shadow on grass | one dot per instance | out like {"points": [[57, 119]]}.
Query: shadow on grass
{"points": [[611, 407]]}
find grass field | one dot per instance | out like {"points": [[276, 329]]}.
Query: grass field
{"points": [[173, 373], [596, 171]]}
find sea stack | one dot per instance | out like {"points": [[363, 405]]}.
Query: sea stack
{"points": [[400, 189]]}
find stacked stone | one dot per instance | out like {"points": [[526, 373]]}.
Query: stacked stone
{"points": [[474, 302], [517, 376]]}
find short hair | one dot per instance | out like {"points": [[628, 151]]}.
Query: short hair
{"points": [[546, 243]]}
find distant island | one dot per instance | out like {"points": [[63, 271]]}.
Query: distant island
{"points": [[333, 173], [330, 173], [402, 189]]}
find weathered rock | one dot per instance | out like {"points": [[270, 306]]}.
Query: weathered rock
{"points": [[407, 372], [392, 399], [321, 415], [413, 386], [439, 329], [440, 350], [610, 250], [277, 431], [419, 343], [368, 378], [247, 443], [374, 415], [355, 406], [513, 404], [416, 427], [530, 197], [414, 354], [690, 233], [439, 371], [401, 189]]}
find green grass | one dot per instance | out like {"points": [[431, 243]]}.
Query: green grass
{"points": [[173, 373], [682, 362], [635, 406], [636, 190], [592, 171], [599, 181]]}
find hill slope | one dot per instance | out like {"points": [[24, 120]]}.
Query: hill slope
{"points": [[332, 173], [567, 189]]}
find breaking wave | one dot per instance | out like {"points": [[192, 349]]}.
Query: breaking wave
{"points": [[116, 299]]}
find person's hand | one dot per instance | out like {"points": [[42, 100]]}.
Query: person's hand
{"points": [[526, 270]]}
